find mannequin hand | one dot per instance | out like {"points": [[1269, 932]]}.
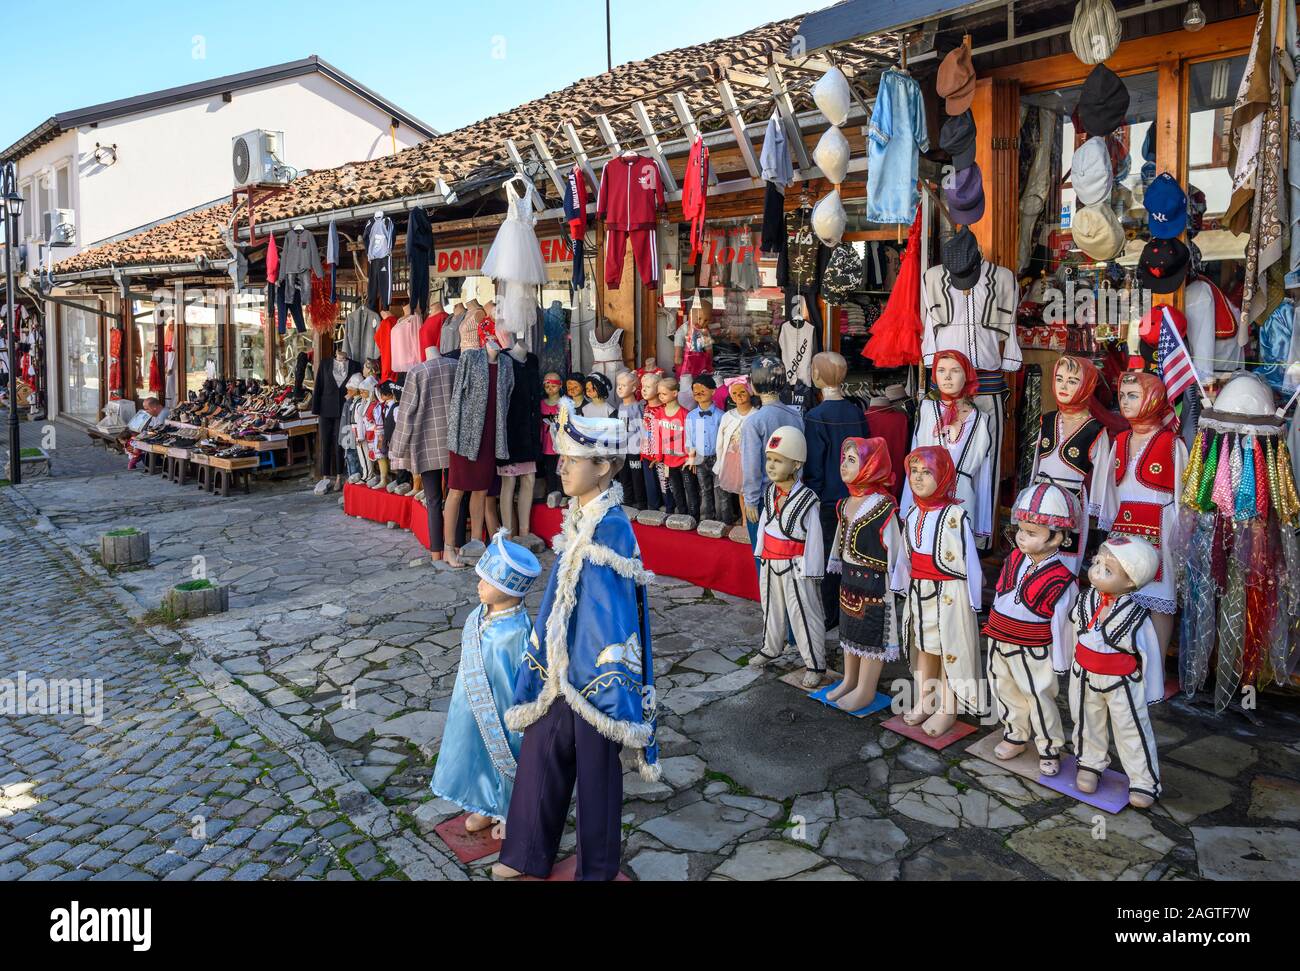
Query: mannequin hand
{"points": [[750, 512]]}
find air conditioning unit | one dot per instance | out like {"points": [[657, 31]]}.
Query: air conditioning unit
{"points": [[257, 158], [59, 227]]}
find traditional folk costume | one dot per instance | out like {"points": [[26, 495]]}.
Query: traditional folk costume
{"points": [[941, 580], [1138, 496], [477, 758], [586, 685], [790, 553], [1068, 460], [971, 448], [361, 427], [864, 553], [1117, 671], [1029, 628]]}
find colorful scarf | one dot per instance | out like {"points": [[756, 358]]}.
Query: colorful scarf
{"points": [[875, 470], [948, 408], [939, 462], [1154, 412]]}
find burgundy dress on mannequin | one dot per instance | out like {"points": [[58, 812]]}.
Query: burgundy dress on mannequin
{"points": [[477, 475]]}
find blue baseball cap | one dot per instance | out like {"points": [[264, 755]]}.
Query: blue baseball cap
{"points": [[1166, 205]]}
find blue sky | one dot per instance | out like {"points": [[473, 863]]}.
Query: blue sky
{"points": [[434, 59]]}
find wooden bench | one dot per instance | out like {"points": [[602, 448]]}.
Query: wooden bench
{"points": [[103, 438]]}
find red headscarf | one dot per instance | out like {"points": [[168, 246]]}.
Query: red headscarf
{"points": [[948, 410], [939, 462], [1088, 375], [1155, 412], [875, 470]]}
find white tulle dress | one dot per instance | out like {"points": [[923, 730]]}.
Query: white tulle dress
{"points": [[515, 262]]}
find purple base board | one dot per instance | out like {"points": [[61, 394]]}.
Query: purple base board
{"points": [[881, 700], [467, 846], [1112, 788], [958, 731]]}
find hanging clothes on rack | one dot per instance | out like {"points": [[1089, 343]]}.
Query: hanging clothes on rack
{"points": [[515, 260], [378, 235], [896, 136], [695, 195]]}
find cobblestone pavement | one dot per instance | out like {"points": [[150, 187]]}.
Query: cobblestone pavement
{"points": [[341, 649]]}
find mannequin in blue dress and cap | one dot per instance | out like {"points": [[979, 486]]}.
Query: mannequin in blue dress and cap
{"points": [[586, 685], [477, 758]]}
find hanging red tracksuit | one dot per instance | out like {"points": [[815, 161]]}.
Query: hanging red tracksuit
{"points": [[630, 197], [695, 194]]}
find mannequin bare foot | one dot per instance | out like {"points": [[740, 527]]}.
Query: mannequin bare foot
{"points": [[477, 822], [1008, 750], [1049, 767], [451, 559], [916, 715], [435, 557], [855, 699], [1140, 800], [1086, 780], [938, 723], [841, 688], [502, 872]]}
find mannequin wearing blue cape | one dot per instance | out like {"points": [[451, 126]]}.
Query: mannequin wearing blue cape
{"points": [[584, 690], [477, 758]]}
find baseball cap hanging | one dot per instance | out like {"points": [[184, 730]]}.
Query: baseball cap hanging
{"points": [[1094, 35], [1166, 206], [1163, 265], [962, 259], [955, 82], [1096, 231], [1090, 172], [1103, 102], [963, 192], [957, 138]]}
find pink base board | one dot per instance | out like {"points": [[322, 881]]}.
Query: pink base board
{"points": [[467, 846], [958, 731]]}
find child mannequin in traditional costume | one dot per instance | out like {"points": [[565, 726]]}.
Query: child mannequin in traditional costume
{"points": [[940, 577], [1070, 444], [360, 421], [1118, 670], [1029, 628], [789, 549], [955, 423], [586, 685], [864, 553], [1138, 496], [477, 757]]}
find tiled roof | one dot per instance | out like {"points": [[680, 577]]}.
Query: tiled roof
{"points": [[455, 155]]}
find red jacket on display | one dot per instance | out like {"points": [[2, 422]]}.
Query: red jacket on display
{"points": [[695, 194], [631, 193]]}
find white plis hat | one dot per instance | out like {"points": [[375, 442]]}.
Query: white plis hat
{"points": [[1097, 232], [832, 155], [831, 95], [788, 441], [1047, 504], [1136, 557]]}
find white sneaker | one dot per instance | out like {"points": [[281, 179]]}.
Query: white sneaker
{"points": [[760, 660], [811, 679], [322, 487]]}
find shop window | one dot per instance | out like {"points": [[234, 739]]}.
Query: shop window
{"points": [[82, 350], [29, 210], [63, 187], [1211, 91], [201, 357], [150, 380], [250, 336]]}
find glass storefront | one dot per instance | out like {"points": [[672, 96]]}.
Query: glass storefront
{"points": [[82, 351], [149, 369], [250, 336], [201, 356]]}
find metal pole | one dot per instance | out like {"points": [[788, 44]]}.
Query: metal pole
{"points": [[609, 50], [11, 232]]}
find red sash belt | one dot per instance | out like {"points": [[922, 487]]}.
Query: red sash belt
{"points": [[1094, 662], [923, 568], [1026, 633], [776, 548]]}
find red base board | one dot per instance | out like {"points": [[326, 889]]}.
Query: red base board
{"points": [[721, 565], [467, 846], [958, 731]]}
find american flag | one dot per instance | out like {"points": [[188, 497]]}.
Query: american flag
{"points": [[1175, 363]]}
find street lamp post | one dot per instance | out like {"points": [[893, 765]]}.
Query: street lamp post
{"points": [[13, 208]]}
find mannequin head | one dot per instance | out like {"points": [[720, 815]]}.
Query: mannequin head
{"points": [[738, 391], [865, 467], [625, 387], [702, 388], [371, 368], [387, 391], [767, 378], [932, 477], [494, 598], [828, 370], [597, 387], [953, 376], [1142, 400], [701, 314], [574, 385], [586, 478], [1037, 541], [552, 386], [785, 453], [1073, 381], [667, 391], [1123, 564], [921, 479], [650, 388]]}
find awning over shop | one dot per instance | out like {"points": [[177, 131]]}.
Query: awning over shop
{"points": [[852, 19]]}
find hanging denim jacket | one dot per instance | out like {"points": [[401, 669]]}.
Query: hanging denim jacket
{"points": [[896, 135]]}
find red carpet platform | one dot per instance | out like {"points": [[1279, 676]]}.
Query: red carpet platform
{"points": [[721, 565]]}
